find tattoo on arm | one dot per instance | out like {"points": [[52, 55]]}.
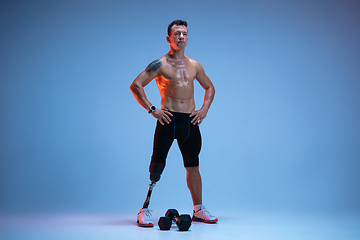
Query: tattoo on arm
{"points": [[153, 66]]}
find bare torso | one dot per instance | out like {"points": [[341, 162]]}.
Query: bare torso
{"points": [[176, 84]]}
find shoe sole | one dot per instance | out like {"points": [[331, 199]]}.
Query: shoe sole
{"points": [[148, 225], [195, 219]]}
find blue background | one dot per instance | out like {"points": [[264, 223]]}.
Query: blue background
{"points": [[283, 132]]}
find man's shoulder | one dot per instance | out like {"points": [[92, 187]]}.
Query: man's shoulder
{"points": [[156, 64], [194, 62]]}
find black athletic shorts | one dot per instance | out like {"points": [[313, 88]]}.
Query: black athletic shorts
{"points": [[188, 137]]}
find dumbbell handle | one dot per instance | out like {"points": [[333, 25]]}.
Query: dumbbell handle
{"points": [[176, 218]]}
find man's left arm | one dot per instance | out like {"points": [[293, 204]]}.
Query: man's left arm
{"points": [[209, 88]]}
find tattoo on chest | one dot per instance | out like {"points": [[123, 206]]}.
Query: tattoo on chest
{"points": [[153, 66]]}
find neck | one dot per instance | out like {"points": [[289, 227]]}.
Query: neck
{"points": [[177, 54]]}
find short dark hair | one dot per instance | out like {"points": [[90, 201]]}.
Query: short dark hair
{"points": [[178, 23]]}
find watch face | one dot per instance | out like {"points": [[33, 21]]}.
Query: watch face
{"points": [[152, 108]]}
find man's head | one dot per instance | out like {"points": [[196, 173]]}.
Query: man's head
{"points": [[177, 34], [178, 23]]}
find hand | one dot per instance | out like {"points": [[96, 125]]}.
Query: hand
{"points": [[199, 116], [162, 115]]}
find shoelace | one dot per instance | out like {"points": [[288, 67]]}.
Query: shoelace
{"points": [[148, 213], [204, 212]]}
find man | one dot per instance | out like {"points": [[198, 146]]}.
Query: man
{"points": [[177, 119]]}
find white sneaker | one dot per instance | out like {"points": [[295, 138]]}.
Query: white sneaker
{"points": [[203, 215], [144, 218]]}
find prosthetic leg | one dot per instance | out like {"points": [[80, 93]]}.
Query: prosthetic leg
{"points": [[156, 170], [154, 177], [144, 215], [147, 200]]}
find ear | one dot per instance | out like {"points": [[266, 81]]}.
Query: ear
{"points": [[168, 38]]}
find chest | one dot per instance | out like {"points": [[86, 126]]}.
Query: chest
{"points": [[179, 71]]}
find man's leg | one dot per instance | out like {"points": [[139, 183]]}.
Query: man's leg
{"points": [[162, 144], [190, 149], [194, 184]]}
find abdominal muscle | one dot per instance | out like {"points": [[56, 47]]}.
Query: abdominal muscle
{"points": [[178, 105], [177, 98]]}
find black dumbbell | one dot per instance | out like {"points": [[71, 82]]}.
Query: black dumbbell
{"points": [[183, 222]]}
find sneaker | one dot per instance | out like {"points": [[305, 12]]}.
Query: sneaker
{"points": [[144, 218], [203, 215]]}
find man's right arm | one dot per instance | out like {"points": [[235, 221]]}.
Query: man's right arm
{"points": [[143, 79], [137, 89]]}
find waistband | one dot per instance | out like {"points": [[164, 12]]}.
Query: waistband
{"points": [[180, 115]]}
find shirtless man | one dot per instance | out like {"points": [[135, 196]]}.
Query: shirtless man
{"points": [[177, 119]]}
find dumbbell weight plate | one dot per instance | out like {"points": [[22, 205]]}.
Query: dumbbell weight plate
{"points": [[165, 223], [184, 222], [183, 216], [171, 213]]}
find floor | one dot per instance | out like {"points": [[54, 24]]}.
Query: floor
{"points": [[249, 226]]}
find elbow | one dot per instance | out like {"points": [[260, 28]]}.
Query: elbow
{"points": [[211, 90], [133, 87]]}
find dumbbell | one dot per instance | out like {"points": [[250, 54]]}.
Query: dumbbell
{"points": [[183, 221]]}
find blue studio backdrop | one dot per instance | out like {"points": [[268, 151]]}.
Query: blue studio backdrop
{"points": [[283, 132]]}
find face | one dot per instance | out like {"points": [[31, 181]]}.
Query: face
{"points": [[178, 37]]}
